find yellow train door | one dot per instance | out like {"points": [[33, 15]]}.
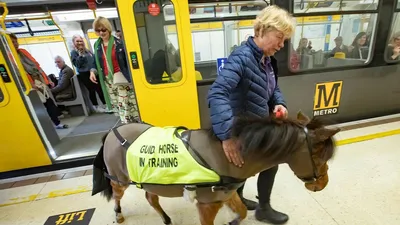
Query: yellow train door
{"points": [[161, 64], [21, 145]]}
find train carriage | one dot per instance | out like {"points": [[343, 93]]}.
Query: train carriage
{"points": [[175, 50]]}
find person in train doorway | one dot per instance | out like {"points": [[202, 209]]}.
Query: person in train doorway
{"points": [[83, 59], [39, 82], [248, 85], [113, 72], [63, 91]]}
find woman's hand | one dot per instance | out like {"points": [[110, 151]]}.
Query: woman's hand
{"points": [[282, 111], [396, 52], [93, 77], [231, 149]]}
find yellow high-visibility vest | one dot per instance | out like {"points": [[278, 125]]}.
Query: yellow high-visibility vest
{"points": [[158, 156]]}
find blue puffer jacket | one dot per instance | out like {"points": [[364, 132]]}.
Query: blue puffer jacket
{"points": [[242, 88]]}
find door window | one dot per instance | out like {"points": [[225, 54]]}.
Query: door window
{"points": [[160, 52]]}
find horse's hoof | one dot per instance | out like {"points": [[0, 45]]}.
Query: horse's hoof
{"points": [[235, 221], [120, 218]]}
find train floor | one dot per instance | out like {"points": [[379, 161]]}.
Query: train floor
{"points": [[363, 189], [82, 136]]}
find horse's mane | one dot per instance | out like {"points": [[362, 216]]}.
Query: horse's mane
{"points": [[274, 137], [269, 136]]}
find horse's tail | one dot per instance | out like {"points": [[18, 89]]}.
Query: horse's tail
{"points": [[101, 183]]}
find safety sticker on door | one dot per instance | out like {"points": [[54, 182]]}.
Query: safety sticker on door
{"points": [[134, 60], [4, 74]]}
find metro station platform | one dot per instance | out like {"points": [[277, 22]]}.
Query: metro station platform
{"points": [[363, 189]]}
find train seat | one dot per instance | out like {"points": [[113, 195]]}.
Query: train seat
{"points": [[78, 98]]}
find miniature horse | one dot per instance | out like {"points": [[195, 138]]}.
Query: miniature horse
{"points": [[304, 145]]}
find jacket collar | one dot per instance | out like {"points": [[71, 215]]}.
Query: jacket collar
{"points": [[117, 41], [258, 53]]}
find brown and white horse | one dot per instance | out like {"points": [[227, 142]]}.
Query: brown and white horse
{"points": [[304, 145]]}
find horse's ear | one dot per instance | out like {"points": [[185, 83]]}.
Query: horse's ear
{"points": [[324, 133], [303, 119]]}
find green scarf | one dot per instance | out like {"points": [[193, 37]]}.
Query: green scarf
{"points": [[100, 70]]}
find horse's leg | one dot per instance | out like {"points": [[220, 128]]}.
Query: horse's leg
{"points": [[154, 202], [118, 192], [208, 212], [237, 206]]}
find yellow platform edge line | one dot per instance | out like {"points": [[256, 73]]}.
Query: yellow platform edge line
{"points": [[367, 137], [82, 189], [51, 194]]}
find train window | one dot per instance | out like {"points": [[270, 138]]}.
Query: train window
{"points": [[217, 29], [226, 9], [160, 51], [332, 41], [392, 51], [214, 40], [312, 6]]}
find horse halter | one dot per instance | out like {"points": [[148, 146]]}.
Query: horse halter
{"points": [[309, 147]]}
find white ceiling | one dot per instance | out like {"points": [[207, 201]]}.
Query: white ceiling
{"points": [[36, 2]]}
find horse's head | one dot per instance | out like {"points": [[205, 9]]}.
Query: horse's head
{"points": [[309, 163]]}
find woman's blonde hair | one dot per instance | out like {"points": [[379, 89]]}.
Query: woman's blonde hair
{"points": [[100, 22], [272, 17]]}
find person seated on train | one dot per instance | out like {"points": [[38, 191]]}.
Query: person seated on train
{"points": [[158, 68], [83, 59], [304, 47], [164, 63], [340, 47], [393, 49], [64, 90], [39, 82], [53, 79], [359, 49]]}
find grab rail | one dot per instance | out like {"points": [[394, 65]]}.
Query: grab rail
{"points": [[5, 13], [62, 35]]}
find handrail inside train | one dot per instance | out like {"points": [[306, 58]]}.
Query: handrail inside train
{"points": [[4, 15]]}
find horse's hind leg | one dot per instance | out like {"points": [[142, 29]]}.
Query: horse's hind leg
{"points": [[118, 192], [237, 206], [208, 212], [154, 202]]}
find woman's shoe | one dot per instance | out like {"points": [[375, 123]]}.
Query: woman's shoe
{"points": [[265, 213]]}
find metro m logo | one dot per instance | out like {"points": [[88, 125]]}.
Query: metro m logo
{"points": [[327, 98]]}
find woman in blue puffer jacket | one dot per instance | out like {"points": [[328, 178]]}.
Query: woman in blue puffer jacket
{"points": [[248, 84]]}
